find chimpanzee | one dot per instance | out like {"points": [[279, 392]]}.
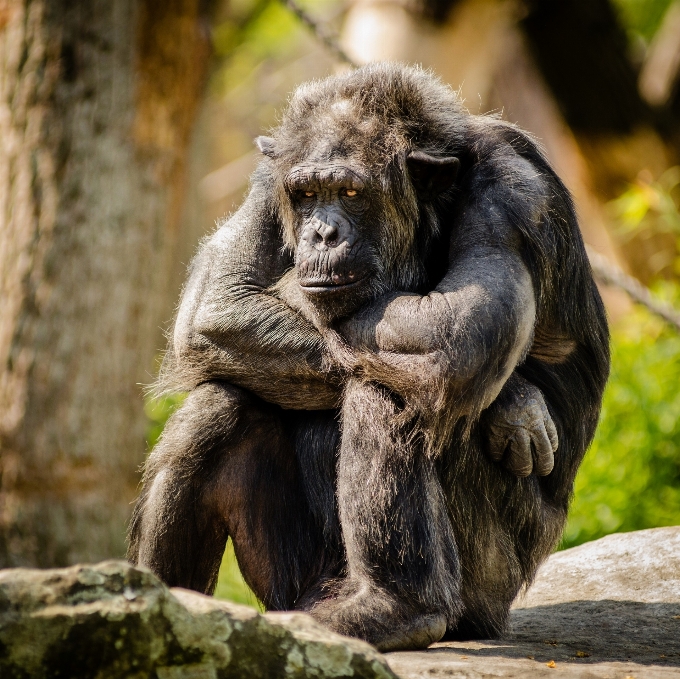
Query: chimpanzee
{"points": [[382, 349]]}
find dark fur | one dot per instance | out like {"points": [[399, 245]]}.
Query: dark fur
{"points": [[341, 443]]}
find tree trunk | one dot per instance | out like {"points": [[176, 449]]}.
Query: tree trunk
{"points": [[97, 101]]}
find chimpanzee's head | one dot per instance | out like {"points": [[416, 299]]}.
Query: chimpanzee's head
{"points": [[356, 186]]}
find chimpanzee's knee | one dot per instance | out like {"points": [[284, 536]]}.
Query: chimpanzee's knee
{"points": [[212, 414]]}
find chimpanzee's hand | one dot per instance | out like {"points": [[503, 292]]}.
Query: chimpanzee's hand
{"points": [[521, 433]]}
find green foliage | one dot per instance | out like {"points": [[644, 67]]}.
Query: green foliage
{"points": [[158, 410], [642, 17], [230, 583], [261, 30], [630, 478], [649, 204], [650, 207], [257, 34]]}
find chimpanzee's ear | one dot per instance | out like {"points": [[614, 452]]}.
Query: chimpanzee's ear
{"points": [[267, 145], [430, 175]]}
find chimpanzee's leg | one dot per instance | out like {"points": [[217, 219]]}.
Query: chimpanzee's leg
{"points": [[226, 465], [401, 589], [504, 529]]}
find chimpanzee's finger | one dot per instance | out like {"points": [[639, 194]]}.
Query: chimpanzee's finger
{"points": [[498, 441], [518, 459], [551, 430], [542, 452], [549, 425]]}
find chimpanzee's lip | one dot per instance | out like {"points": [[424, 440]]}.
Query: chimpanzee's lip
{"points": [[324, 287]]}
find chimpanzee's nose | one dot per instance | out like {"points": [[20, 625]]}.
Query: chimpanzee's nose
{"points": [[326, 234]]}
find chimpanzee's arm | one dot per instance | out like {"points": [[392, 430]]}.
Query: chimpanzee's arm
{"points": [[461, 341], [228, 326]]}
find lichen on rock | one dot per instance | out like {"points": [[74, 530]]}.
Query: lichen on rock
{"points": [[114, 620]]}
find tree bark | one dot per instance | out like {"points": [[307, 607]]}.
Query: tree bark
{"points": [[97, 102]]}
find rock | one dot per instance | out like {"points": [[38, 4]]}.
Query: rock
{"points": [[113, 620], [609, 608]]}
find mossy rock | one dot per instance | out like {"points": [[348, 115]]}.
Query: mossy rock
{"points": [[113, 620]]}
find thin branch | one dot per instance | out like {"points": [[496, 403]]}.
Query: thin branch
{"points": [[320, 32], [609, 274]]}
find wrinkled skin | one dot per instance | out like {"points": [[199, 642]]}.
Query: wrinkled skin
{"points": [[396, 355], [335, 263]]}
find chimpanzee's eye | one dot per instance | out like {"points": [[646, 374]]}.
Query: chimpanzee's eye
{"points": [[305, 198], [350, 193]]}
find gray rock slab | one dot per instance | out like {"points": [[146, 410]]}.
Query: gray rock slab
{"points": [[115, 621], [609, 608]]}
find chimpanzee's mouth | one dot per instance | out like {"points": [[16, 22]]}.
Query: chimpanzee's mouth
{"points": [[326, 286]]}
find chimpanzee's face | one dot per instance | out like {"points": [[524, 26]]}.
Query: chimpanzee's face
{"points": [[353, 229], [336, 226]]}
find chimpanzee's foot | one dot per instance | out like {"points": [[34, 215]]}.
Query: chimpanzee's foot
{"points": [[376, 618], [418, 633]]}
